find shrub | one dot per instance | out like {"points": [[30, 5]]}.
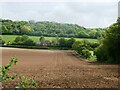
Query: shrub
{"points": [[86, 53], [1, 41], [23, 40], [28, 42], [94, 45], [70, 42], [24, 83], [62, 42], [17, 40], [100, 53], [82, 47]]}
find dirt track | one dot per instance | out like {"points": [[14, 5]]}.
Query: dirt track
{"points": [[61, 69]]}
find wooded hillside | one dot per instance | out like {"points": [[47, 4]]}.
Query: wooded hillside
{"points": [[45, 28]]}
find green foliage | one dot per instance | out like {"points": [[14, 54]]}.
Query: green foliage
{"points": [[1, 41], [25, 29], [17, 39], [66, 42], [100, 52], [55, 42], [26, 83], [70, 42], [83, 48], [86, 53], [109, 51], [23, 40], [3, 75], [11, 38], [41, 39], [62, 42], [28, 42], [51, 29], [83, 34], [93, 45]]}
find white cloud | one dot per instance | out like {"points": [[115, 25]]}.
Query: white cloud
{"points": [[59, 1], [88, 14]]}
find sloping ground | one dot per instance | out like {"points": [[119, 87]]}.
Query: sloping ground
{"points": [[61, 69]]}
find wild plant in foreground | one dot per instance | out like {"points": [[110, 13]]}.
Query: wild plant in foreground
{"points": [[24, 83]]}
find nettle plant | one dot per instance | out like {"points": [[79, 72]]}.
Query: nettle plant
{"points": [[24, 83], [4, 76]]}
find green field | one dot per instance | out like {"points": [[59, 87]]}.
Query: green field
{"points": [[11, 38]]}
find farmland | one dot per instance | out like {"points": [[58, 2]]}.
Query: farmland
{"points": [[11, 38], [60, 69]]}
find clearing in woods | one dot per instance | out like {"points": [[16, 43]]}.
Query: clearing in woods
{"points": [[60, 69]]}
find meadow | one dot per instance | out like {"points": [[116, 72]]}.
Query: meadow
{"points": [[11, 38]]}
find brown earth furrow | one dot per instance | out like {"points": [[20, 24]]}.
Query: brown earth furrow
{"points": [[60, 69]]}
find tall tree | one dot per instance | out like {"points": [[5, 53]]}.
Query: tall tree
{"points": [[109, 49]]}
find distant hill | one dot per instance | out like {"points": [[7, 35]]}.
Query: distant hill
{"points": [[45, 28]]}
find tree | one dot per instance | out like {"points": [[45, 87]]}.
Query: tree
{"points": [[25, 29], [109, 51], [24, 38], [46, 28], [4, 29], [70, 42], [41, 39], [1, 41], [55, 42], [62, 42], [17, 39], [82, 47], [86, 53], [83, 34], [28, 42], [93, 33]]}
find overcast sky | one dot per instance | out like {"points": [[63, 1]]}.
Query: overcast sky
{"points": [[94, 13]]}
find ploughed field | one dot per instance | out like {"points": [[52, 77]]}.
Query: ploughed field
{"points": [[60, 69]]}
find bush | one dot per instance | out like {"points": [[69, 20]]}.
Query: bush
{"points": [[70, 42], [17, 40], [1, 41], [62, 42], [94, 45], [86, 53], [100, 53], [28, 42], [82, 47], [26, 83], [23, 40]]}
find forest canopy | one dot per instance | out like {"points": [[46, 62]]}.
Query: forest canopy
{"points": [[50, 29]]}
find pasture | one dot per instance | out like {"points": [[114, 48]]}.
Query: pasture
{"points": [[11, 38]]}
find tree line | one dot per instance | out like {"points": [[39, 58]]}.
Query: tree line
{"points": [[82, 47], [108, 48], [50, 29]]}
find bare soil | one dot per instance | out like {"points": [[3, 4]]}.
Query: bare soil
{"points": [[60, 69]]}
